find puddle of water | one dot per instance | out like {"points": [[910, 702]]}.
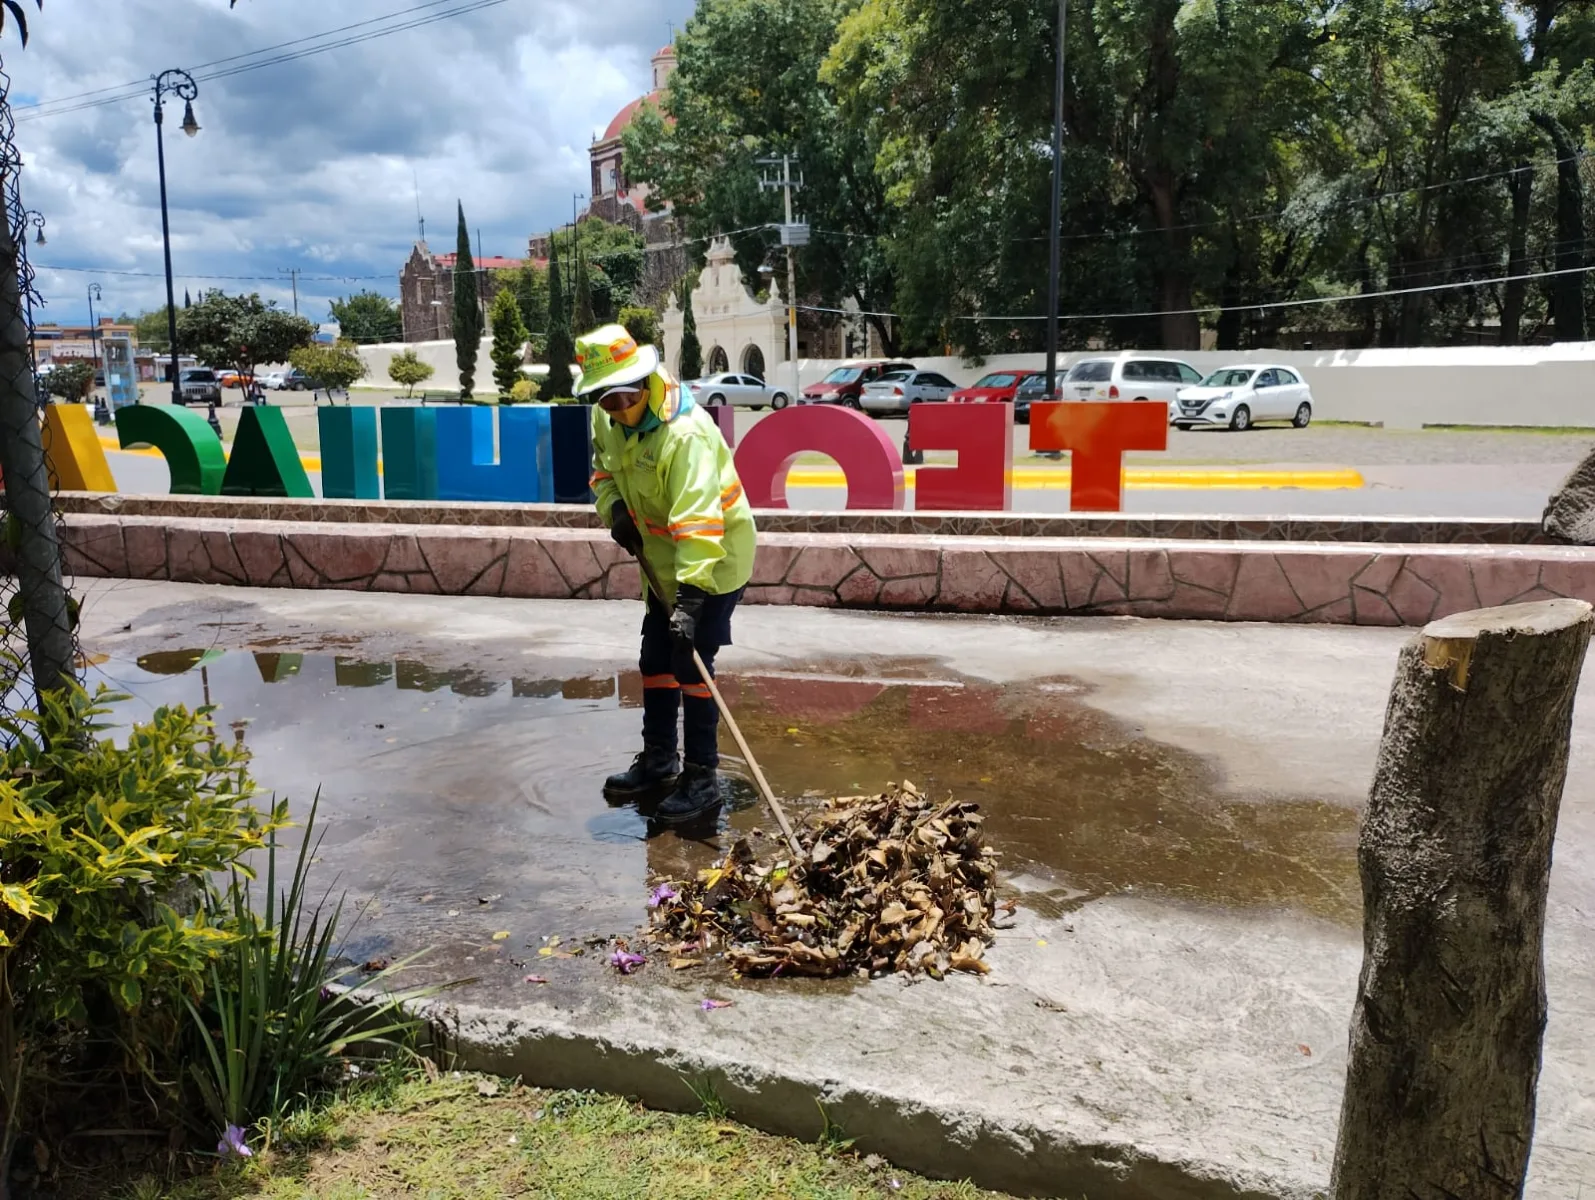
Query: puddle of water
{"points": [[442, 788]]}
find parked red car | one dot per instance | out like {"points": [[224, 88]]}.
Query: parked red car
{"points": [[996, 386], [844, 384]]}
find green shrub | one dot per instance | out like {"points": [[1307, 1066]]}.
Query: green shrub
{"points": [[405, 368], [524, 391], [105, 854], [279, 1017]]}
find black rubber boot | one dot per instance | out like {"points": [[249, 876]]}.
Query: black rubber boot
{"points": [[655, 769], [697, 795]]}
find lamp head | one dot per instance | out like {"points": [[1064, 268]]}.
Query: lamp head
{"points": [[190, 125]]}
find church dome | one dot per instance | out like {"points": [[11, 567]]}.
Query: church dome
{"points": [[624, 117]]}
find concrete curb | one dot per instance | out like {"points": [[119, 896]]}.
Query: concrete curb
{"points": [[1336, 583], [930, 1135]]}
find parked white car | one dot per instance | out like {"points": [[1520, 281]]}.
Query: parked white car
{"points": [[1239, 397], [1129, 379], [896, 390], [273, 381], [748, 391]]}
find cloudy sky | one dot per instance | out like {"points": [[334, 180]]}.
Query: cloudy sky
{"points": [[310, 163]]}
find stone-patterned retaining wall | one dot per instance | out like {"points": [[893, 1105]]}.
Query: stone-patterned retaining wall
{"points": [[1331, 583], [1404, 530]]}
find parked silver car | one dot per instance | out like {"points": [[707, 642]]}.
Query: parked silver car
{"points": [[743, 391], [1239, 397], [895, 391]]}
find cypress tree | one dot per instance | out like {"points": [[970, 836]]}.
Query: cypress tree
{"points": [[509, 341], [467, 310], [561, 349], [690, 361], [583, 319]]}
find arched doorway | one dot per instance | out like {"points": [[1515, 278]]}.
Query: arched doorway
{"points": [[753, 362], [718, 363]]}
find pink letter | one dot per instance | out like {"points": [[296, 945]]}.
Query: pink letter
{"points": [[868, 458], [983, 436]]}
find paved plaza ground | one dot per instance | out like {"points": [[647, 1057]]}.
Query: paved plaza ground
{"points": [[1176, 804]]}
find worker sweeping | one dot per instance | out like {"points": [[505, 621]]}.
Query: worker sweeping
{"points": [[668, 491]]}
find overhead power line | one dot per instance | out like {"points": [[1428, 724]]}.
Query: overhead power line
{"points": [[221, 69], [1210, 308]]}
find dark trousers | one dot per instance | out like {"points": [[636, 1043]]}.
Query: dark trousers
{"points": [[667, 692]]}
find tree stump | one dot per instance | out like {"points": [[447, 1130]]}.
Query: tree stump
{"points": [[1455, 858]]}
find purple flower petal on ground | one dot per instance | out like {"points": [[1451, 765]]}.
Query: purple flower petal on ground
{"points": [[711, 1005], [664, 892], [625, 961], [233, 1144]]}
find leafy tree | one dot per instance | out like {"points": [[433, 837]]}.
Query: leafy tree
{"points": [[529, 282], [467, 309], [509, 341], [237, 332], [70, 380], [561, 346], [405, 368], [188, 301], [368, 317], [582, 318], [690, 364], [704, 160], [149, 328], [641, 323], [330, 368], [612, 259]]}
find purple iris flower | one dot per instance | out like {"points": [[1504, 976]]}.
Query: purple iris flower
{"points": [[661, 894], [625, 961], [233, 1144]]}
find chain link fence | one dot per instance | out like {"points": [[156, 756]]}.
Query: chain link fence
{"points": [[38, 619]]}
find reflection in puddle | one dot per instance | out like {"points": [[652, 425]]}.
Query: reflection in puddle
{"points": [[452, 785]]}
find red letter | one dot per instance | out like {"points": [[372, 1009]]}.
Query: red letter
{"points": [[1096, 436], [983, 436], [868, 459]]}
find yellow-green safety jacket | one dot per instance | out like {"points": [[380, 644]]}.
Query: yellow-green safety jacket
{"points": [[675, 473]]}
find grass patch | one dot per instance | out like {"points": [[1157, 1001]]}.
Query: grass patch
{"points": [[1542, 430], [473, 1136]]}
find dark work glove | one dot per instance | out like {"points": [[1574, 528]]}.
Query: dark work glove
{"points": [[624, 530], [684, 628]]}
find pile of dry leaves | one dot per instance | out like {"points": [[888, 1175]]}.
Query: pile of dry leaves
{"points": [[887, 883]]}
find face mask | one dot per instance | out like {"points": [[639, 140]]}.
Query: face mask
{"points": [[632, 416]]}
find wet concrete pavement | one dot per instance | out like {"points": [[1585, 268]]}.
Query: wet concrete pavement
{"points": [[1176, 805]]}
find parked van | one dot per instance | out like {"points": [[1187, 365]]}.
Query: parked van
{"points": [[1129, 379]]}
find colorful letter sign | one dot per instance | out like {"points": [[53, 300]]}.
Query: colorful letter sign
{"points": [[1096, 436], [859, 445], [983, 436], [264, 460], [349, 453], [465, 460], [543, 453], [73, 451], [191, 448]]}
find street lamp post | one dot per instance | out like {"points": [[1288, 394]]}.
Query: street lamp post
{"points": [[1057, 207], [181, 84], [94, 347]]}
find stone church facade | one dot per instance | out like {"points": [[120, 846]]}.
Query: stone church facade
{"points": [[426, 291]]}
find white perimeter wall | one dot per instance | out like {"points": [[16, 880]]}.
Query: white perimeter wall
{"points": [[1400, 389]]}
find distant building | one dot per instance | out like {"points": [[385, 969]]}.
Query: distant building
{"points": [[426, 291], [63, 343]]}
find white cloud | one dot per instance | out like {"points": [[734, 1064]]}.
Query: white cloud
{"points": [[313, 163]]}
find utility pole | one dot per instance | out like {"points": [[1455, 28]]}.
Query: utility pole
{"points": [[481, 283], [793, 235], [293, 273], [94, 330], [1057, 207]]}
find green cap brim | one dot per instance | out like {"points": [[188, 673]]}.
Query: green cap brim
{"points": [[647, 363]]}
